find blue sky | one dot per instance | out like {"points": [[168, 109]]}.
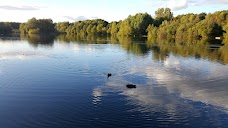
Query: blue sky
{"points": [[110, 10]]}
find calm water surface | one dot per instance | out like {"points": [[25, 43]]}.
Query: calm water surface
{"points": [[62, 83]]}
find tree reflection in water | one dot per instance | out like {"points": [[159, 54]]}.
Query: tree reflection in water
{"points": [[160, 48], [39, 39]]}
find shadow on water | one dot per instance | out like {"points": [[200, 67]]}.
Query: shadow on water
{"points": [[161, 48], [38, 39], [90, 39], [135, 46], [198, 49], [13, 37]]}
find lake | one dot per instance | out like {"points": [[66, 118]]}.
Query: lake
{"points": [[61, 82]]}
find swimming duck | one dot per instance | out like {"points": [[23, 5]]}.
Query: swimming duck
{"points": [[131, 86], [109, 75]]}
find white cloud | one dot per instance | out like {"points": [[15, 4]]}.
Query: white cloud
{"points": [[79, 18], [6, 7], [206, 2], [149, 4], [183, 4], [216, 1], [94, 17], [177, 4]]}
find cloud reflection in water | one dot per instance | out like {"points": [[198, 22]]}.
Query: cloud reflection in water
{"points": [[97, 95], [175, 85]]}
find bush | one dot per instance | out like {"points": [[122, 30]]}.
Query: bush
{"points": [[34, 31]]}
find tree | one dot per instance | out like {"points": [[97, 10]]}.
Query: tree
{"points": [[34, 26], [202, 15], [114, 28], [125, 29], [5, 28], [152, 31], [99, 28], [140, 22], [135, 25], [88, 27], [162, 14], [62, 26]]}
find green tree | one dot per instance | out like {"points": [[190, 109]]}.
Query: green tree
{"points": [[114, 28], [62, 26], [162, 14], [202, 15], [152, 32], [135, 25], [34, 26], [125, 29], [5, 28], [225, 34]]}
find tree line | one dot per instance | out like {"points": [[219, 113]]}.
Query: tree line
{"points": [[34, 26], [164, 25], [8, 27], [203, 26], [132, 26]]}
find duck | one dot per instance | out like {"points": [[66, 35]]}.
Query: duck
{"points": [[109, 75], [131, 86]]}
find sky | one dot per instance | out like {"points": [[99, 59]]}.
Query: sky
{"points": [[109, 10]]}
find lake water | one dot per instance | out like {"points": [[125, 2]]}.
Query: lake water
{"points": [[62, 83]]}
